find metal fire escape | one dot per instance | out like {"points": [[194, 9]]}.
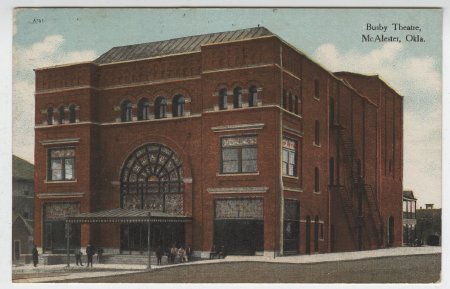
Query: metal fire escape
{"points": [[355, 188]]}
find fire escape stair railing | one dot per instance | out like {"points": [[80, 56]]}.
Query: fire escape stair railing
{"points": [[347, 205], [358, 185], [375, 214]]}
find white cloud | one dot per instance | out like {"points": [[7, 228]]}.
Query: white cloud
{"points": [[50, 51], [419, 81], [407, 75]]}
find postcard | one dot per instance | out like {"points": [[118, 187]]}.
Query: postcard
{"points": [[227, 145]]}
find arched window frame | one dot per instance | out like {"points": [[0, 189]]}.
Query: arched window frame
{"points": [[252, 96], [223, 102], [178, 105], [126, 111], [160, 107], [143, 109], [72, 113], [237, 97], [152, 171], [61, 112], [50, 115]]}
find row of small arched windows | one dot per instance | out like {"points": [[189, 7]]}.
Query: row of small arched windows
{"points": [[237, 97], [160, 108], [61, 114]]}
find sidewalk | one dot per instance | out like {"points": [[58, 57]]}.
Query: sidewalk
{"points": [[50, 273]]}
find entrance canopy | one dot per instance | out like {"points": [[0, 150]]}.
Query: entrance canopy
{"points": [[127, 216]]}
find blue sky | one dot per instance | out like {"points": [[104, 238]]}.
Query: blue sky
{"points": [[332, 37]]}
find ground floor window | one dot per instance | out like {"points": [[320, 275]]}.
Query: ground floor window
{"points": [[134, 237], [239, 225], [291, 226], [54, 227]]}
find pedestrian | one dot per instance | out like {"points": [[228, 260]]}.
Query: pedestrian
{"points": [[89, 252], [159, 254], [181, 254], [213, 251], [35, 254], [188, 253], [99, 255], [173, 254], [78, 255]]}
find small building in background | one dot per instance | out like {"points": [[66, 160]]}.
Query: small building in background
{"points": [[409, 217], [428, 228], [22, 208]]}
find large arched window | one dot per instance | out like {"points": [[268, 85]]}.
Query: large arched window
{"points": [[160, 107], [152, 178], [143, 109], [50, 115], [72, 113], [252, 96], [61, 114], [237, 97], [126, 111], [223, 103], [178, 105]]}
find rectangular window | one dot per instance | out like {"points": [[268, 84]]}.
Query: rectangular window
{"points": [[317, 132], [239, 154], [316, 89], [321, 234], [61, 164], [289, 157]]}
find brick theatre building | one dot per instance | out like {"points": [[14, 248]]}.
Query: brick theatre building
{"points": [[234, 138]]}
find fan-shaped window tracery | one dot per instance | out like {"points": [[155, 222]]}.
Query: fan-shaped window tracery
{"points": [[152, 178]]}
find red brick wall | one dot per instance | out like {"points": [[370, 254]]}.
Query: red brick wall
{"points": [[106, 143]]}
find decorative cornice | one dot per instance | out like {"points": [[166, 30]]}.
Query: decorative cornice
{"points": [[60, 195], [60, 141], [297, 190], [236, 127], [293, 131], [238, 190]]}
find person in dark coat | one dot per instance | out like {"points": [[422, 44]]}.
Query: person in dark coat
{"points": [[78, 255], [173, 254], [99, 255], [159, 254], [90, 251], [35, 254]]}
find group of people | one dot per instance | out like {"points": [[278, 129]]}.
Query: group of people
{"points": [[90, 252], [216, 251], [179, 255]]}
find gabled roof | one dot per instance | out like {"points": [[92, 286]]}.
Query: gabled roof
{"points": [[19, 218], [21, 169], [409, 195], [177, 45]]}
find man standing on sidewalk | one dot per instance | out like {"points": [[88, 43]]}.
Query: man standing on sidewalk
{"points": [[89, 253], [78, 254], [35, 254]]}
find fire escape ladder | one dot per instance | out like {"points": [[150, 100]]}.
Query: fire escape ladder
{"points": [[356, 185], [347, 205], [374, 212]]}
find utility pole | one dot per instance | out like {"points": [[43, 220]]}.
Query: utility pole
{"points": [[68, 231], [149, 266]]}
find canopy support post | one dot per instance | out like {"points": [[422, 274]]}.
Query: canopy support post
{"points": [[149, 265], [67, 227]]}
